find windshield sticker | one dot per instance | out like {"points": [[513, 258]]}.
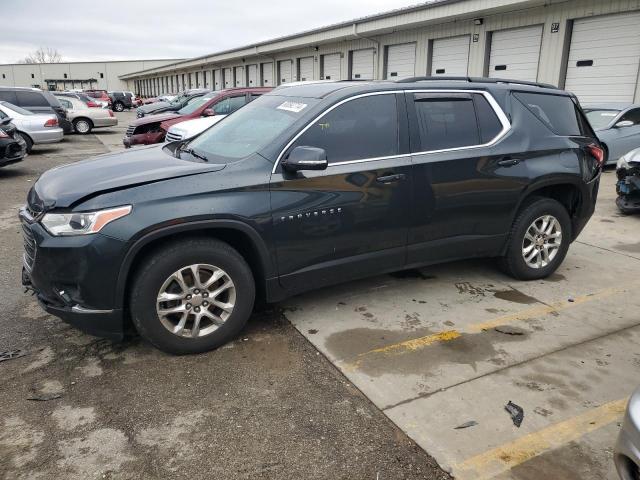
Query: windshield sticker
{"points": [[292, 107]]}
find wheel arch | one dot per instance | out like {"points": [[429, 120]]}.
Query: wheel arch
{"points": [[246, 240], [22, 132]]}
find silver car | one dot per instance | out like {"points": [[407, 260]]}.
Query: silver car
{"points": [[84, 118], [627, 451], [617, 127], [34, 128]]}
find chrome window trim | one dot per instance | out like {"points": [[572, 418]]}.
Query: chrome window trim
{"points": [[502, 117]]}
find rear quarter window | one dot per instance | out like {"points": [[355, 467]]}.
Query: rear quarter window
{"points": [[558, 112], [31, 99]]}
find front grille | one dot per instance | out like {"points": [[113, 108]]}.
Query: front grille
{"points": [[29, 245], [172, 137], [130, 130]]}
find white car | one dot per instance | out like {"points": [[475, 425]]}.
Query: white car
{"points": [[34, 128], [191, 128]]}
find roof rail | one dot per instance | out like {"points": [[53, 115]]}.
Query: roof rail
{"points": [[478, 80]]}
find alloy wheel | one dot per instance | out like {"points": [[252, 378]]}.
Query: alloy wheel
{"points": [[196, 300], [542, 241], [82, 126]]}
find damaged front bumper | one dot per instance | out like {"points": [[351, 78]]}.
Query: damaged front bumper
{"points": [[628, 190], [149, 138]]}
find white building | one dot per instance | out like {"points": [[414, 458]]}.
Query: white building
{"points": [[70, 75], [591, 47]]}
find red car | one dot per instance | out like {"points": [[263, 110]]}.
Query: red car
{"points": [[153, 128], [99, 95]]}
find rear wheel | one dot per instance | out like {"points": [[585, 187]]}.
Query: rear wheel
{"points": [[192, 296], [118, 107], [82, 126], [27, 140], [539, 240]]}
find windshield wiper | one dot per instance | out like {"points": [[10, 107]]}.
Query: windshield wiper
{"points": [[193, 153]]}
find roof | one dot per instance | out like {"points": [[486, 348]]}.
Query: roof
{"points": [[93, 61], [610, 106]]}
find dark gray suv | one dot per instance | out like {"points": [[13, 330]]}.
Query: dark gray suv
{"points": [[37, 101]]}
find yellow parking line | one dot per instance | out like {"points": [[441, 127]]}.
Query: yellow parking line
{"points": [[503, 458], [449, 335]]}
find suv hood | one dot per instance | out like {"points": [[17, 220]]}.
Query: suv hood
{"points": [[63, 186], [152, 107], [158, 118]]}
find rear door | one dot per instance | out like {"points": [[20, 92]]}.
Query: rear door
{"points": [[350, 220], [463, 196]]}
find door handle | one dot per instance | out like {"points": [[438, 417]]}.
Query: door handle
{"points": [[509, 162], [391, 178]]}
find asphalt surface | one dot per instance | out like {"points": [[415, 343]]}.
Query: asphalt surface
{"points": [[268, 405]]}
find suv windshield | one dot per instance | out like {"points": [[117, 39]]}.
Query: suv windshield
{"points": [[250, 128], [195, 104], [600, 118], [16, 109]]}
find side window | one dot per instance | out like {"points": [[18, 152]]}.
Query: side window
{"points": [[446, 122], [31, 99], [65, 103], [363, 128], [632, 115], [8, 96], [488, 121], [253, 96], [3, 115], [229, 105], [557, 112]]}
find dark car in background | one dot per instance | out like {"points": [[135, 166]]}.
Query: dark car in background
{"points": [[308, 186], [13, 148], [37, 101], [121, 101], [174, 105], [153, 128]]}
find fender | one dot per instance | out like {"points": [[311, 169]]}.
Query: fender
{"points": [[165, 231]]}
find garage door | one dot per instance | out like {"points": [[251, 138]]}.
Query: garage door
{"points": [[450, 56], [267, 74], [228, 78], [331, 67], [401, 61], [305, 69], [252, 75], [285, 71], [217, 75], [604, 58], [515, 53], [240, 78], [362, 64]]}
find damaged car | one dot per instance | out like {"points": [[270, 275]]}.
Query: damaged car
{"points": [[617, 126], [171, 106], [628, 184], [153, 128]]}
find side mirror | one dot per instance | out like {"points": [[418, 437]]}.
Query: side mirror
{"points": [[624, 123], [306, 158], [208, 112]]}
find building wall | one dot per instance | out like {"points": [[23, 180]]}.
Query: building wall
{"points": [[106, 74], [418, 26]]}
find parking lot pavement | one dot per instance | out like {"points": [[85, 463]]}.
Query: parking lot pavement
{"points": [[442, 346], [268, 405]]}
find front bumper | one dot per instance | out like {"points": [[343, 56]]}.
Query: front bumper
{"points": [[626, 453], [74, 278], [143, 139], [12, 151]]}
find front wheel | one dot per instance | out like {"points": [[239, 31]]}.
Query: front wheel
{"points": [[82, 126], [192, 296], [27, 140], [118, 107], [539, 240]]}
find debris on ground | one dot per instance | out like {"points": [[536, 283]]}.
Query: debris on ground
{"points": [[12, 354], [44, 397], [470, 423], [516, 412], [506, 330]]}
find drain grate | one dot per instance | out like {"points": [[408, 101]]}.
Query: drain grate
{"points": [[11, 354]]}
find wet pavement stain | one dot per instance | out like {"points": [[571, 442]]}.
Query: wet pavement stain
{"points": [[355, 348], [629, 247], [515, 296]]}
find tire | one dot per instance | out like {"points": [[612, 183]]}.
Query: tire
{"points": [[535, 211], [155, 277], [118, 107], [623, 210], [27, 140], [82, 126]]}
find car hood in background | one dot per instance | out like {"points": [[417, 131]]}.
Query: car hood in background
{"points": [[190, 128], [161, 117], [152, 107], [64, 186]]}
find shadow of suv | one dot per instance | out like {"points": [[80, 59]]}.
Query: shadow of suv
{"points": [[307, 186]]}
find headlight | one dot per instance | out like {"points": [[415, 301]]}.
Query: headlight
{"points": [[622, 163], [84, 223]]}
